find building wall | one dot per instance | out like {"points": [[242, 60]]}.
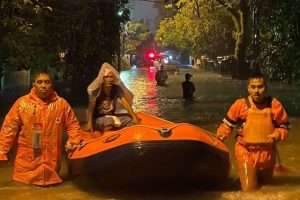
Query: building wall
{"points": [[15, 79]]}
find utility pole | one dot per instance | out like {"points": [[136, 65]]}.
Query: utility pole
{"points": [[119, 50], [119, 14], [254, 63]]}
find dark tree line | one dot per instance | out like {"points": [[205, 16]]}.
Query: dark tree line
{"points": [[264, 31], [279, 46], [34, 33]]}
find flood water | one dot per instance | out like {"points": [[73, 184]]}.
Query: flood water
{"points": [[214, 94]]}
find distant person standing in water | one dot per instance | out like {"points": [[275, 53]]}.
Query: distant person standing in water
{"points": [[156, 64], [161, 76], [188, 88], [176, 71]]}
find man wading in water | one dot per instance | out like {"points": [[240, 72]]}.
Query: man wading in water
{"points": [[261, 121]]}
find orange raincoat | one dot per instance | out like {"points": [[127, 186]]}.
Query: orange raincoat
{"points": [[254, 157], [38, 166]]}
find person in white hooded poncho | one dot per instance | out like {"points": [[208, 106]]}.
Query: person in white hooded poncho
{"points": [[104, 93]]}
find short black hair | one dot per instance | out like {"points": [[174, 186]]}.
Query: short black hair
{"points": [[37, 73], [257, 75], [188, 76]]}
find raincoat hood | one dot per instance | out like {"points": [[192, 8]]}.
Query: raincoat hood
{"points": [[52, 97], [94, 89]]}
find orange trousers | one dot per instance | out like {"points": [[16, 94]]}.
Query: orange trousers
{"points": [[256, 164]]}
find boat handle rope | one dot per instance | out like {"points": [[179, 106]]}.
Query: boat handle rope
{"points": [[163, 131]]}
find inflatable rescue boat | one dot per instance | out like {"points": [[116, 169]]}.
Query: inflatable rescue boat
{"points": [[154, 151]]}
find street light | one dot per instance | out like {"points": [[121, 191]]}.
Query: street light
{"points": [[62, 55], [120, 13]]}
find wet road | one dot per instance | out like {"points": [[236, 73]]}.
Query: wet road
{"points": [[214, 94]]}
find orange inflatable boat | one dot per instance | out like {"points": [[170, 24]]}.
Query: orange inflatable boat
{"points": [[155, 150]]}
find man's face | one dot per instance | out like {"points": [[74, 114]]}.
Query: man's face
{"points": [[43, 86], [109, 79], [257, 89]]}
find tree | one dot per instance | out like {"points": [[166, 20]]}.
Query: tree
{"points": [[240, 12], [265, 31], [280, 40], [33, 33], [137, 33], [20, 37], [89, 31], [200, 26]]}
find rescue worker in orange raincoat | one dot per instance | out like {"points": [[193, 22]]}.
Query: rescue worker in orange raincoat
{"points": [[36, 122], [261, 121]]}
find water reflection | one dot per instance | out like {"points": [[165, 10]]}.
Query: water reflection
{"points": [[151, 74], [143, 85]]}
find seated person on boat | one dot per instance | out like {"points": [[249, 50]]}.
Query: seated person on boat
{"points": [[104, 93]]}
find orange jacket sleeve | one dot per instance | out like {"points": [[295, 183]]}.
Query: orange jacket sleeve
{"points": [[235, 112], [280, 118], [10, 127], [72, 125]]}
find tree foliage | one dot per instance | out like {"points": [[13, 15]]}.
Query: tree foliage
{"points": [[33, 33], [280, 39], [201, 26], [21, 34], [137, 33], [197, 25]]}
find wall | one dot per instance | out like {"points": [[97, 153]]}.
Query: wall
{"points": [[15, 79]]}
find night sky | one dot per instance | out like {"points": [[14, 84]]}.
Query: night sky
{"points": [[141, 9]]}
